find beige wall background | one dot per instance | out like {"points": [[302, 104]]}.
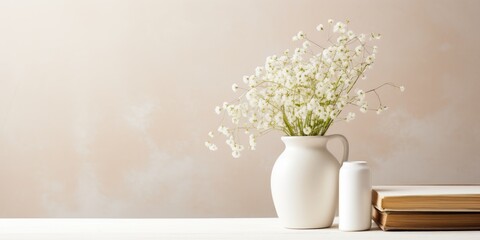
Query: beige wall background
{"points": [[105, 105]]}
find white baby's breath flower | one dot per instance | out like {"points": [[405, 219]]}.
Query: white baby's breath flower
{"points": [[347, 81], [213, 147], [361, 38], [350, 34], [246, 79], [370, 59], [332, 115], [319, 27], [376, 36], [379, 110], [218, 109], [361, 95], [235, 87], [230, 141], [238, 147], [342, 39], [330, 21], [350, 116], [300, 35], [258, 71], [364, 108], [236, 154], [223, 130], [306, 44], [307, 130], [339, 27], [252, 82], [210, 134], [252, 141], [359, 49], [330, 96], [402, 89]]}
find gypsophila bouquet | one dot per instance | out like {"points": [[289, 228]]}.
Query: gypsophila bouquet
{"points": [[303, 93]]}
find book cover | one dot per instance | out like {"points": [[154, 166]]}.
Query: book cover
{"points": [[436, 198], [404, 220]]}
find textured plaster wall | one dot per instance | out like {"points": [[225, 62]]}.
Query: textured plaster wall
{"points": [[105, 105]]}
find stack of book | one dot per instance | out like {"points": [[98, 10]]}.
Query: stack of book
{"points": [[426, 207]]}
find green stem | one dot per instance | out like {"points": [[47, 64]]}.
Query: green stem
{"points": [[285, 120]]}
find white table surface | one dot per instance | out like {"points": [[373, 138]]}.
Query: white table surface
{"points": [[200, 228]]}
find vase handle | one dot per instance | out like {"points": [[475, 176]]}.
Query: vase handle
{"points": [[344, 141]]}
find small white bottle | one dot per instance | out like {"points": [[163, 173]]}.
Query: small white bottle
{"points": [[355, 197]]}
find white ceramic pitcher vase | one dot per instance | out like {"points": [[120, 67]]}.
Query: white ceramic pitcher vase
{"points": [[304, 181]]}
